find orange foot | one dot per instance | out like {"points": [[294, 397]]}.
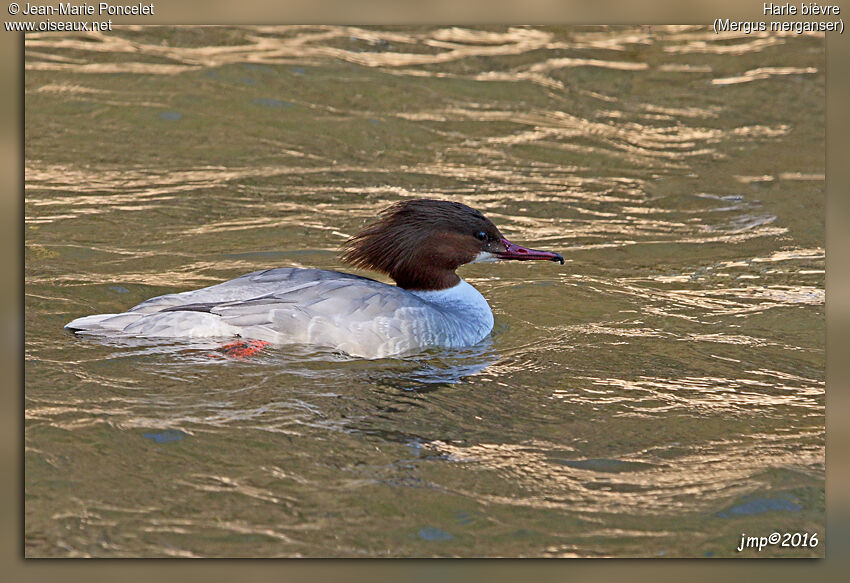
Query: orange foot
{"points": [[241, 348]]}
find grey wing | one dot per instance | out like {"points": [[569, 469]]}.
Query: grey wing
{"points": [[246, 287], [357, 315]]}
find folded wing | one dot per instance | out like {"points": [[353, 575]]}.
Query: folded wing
{"points": [[356, 315]]}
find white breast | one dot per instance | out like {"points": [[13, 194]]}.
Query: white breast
{"points": [[467, 304]]}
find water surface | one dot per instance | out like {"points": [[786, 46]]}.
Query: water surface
{"points": [[659, 395]]}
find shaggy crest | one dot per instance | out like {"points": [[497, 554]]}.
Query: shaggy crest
{"points": [[420, 242]]}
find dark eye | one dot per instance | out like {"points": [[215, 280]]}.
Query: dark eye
{"points": [[481, 236]]}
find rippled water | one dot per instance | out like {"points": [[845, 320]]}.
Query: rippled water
{"points": [[659, 395]]}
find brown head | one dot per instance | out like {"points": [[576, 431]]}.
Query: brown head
{"points": [[421, 242]]}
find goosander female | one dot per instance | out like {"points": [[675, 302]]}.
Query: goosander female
{"points": [[418, 243]]}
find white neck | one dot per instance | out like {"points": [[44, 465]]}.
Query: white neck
{"points": [[465, 302]]}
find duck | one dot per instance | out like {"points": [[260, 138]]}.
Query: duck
{"points": [[418, 243]]}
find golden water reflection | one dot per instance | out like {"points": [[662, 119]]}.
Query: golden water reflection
{"points": [[656, 394]]}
